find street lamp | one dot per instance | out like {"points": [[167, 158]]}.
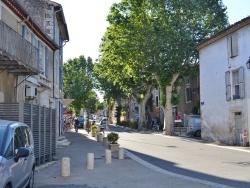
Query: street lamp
{"points": [[248, 63]]}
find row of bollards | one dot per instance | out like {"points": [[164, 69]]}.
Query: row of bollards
{"points": [[90, 161]]}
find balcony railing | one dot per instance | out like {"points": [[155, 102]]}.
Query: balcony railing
{"points": [[17, 55]]}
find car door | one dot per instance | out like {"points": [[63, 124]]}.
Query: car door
{"points": [[16, 168], [22, 168], [27, 164]]}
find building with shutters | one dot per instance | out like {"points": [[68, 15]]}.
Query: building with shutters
{"points": [[225, 85]]}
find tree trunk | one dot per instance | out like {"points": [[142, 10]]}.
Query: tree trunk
{"points": [[168, 116], [118, 109], [142, 105]]}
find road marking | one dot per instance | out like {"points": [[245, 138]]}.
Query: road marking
{"points": [[157, 169]]}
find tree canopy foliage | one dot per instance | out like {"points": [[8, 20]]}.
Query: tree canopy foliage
{"points": [[151, 42], [78, 83]]}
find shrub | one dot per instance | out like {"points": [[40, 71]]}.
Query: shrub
{"points": [[113, 137]]}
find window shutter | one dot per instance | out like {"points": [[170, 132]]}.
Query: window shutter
{"points": [[229, 49], [33, 40], [40, 56], [228, 86], [241, 82], [234, 45], [25, 32], [46, 61]]}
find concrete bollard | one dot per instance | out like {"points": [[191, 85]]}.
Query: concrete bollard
{"points": [[105, 141], [65, 167], [121, 153], [108, 156], [90, 161]]}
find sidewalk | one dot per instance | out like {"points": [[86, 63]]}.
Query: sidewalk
{"points": [[129, 172]]}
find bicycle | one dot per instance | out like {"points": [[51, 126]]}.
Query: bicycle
{"points": [[155, 128]]}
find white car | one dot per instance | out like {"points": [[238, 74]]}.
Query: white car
{"points": [[17, 160]]}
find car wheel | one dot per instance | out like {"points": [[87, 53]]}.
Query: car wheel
{"points": [[31, 180], [198, 133]]}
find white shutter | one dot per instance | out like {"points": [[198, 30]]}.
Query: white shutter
{"points": [[235, 45], [241, 82], [228, 86]]}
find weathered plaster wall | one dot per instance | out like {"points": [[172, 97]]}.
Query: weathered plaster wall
{"points": [[217, 113], [7, 87]]}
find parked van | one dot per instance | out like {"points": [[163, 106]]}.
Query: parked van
{"points": [[193, 124]]}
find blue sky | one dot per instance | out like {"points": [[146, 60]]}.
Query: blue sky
{"points": [[237, 9], [86, 21]]}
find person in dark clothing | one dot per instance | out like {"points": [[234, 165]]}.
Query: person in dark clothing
{"points": [[76, 124]]}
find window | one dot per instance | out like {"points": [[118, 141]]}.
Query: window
{"points": [[46, 61], [237, 83], [40, 57], [9, 151], [26, 136], [18, 140], [33, 40], [233, 45], [157, 101], [187, 81], [188, 94], [26, 33]]}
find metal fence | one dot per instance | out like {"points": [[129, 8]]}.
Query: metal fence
{"points": [[41, 120]]}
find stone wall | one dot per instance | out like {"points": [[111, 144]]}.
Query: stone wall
{"points": [[36, 9]]}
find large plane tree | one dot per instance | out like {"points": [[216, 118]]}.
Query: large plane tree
{"points": [[154, 40]]}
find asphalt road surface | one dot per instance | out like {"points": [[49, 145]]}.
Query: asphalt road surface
{"points": [[190, 157]]}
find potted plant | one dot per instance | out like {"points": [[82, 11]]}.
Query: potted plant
{"points": [[113, 138]]}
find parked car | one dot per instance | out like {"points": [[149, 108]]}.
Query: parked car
{"points": [[17, 160], [193, 124], [81, 122]]}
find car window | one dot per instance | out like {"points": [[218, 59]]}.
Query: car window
{"points": [[2, 131], [9, 151], [18, 140], [26, 136], [196, 120], [81, 119]]}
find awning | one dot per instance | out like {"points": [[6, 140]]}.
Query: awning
{"points": [[67, 102]]}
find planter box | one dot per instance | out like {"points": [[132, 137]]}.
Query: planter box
{"points": [[114, 147], [105, 141], [93, 134], [99, 137]]}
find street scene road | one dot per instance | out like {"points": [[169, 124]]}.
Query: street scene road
{"points": [[152, 160], [191, 157]]}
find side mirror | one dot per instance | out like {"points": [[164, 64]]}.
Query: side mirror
{"points": [[21, 152]]}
